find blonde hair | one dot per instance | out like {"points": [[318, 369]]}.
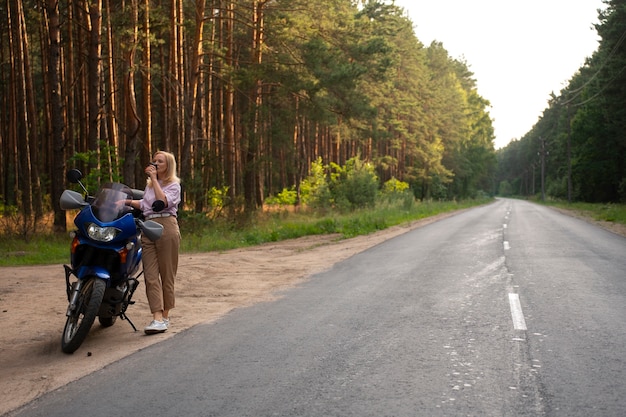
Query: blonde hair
{"points": [[170, 175]]}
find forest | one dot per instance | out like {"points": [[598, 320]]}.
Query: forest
{"points": [[250, 96], [576, 151]]}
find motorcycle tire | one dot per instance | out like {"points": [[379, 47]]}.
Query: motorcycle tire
{"points": [[79, 323]]}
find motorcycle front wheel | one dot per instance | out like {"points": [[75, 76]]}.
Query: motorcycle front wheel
{"points": [[79, 322]]}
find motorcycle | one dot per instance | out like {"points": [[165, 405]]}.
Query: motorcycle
{"points": [[105, 257]]}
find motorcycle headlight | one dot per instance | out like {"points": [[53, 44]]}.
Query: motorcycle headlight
{"points": [[102, 234]]}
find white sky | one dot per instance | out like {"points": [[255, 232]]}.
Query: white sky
{"points": [[519, 51]]}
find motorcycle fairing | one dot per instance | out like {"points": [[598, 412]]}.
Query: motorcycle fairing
{"points": [[102, 273]]}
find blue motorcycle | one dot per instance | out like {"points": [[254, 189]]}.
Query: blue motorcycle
{"points": [[105, 257]]}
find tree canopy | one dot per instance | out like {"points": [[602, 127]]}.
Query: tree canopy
{"points": [[577, 148], [248, 94]]}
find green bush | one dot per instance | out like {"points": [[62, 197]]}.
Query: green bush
{"points": [[314, 189], [355, 185], [395, 187], [284, 198], [348, 187]]}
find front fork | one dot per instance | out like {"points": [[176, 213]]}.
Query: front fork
{"points": [[73, 290]]}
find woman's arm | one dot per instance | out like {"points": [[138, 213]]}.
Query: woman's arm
{"points": [[158, 191], [133, 203]]}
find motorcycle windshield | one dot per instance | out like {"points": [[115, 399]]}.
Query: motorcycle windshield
{"points": [[109, 203]]}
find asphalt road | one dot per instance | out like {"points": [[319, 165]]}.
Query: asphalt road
{"points": [[511, 309]]}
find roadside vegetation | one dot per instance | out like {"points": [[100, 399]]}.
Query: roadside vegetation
{"points": [[577, 147], [272, 227], [280, 222], [605, 212], [203, 234], [346, 201], [246, 95]]}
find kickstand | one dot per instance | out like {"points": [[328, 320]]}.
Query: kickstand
{"points": [[125, 317]]}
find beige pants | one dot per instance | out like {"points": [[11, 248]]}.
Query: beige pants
{"points": [[160, 264]]}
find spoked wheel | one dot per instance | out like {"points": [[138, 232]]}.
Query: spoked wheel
{"points": [[78, 324]]}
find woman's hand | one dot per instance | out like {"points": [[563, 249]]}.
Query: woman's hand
{"points": [[151, 171], [124, 205]]}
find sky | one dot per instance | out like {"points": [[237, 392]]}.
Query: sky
{"points": [[519, 51]]}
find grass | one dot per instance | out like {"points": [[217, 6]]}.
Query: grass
{"points": [[40, 249], [272, 227], [201, 234], [615, 213]]}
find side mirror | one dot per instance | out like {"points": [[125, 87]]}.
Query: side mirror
{"points": [[137, 194], [74, 176], [151, 229], [71, 200], [158, 206]]}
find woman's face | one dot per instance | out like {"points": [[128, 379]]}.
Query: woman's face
{"points": [[161, 163]]}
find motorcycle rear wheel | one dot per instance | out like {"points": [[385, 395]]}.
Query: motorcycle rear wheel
{"points": [[79, 323]]}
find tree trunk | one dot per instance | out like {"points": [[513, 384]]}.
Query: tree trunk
{"points": [[229, 117], [56, 113], [146, 149], [132, 122], [94, 76], [174, 140], [192, 133], [252, 135], [34, 142], [111, 90], [16, 22]]}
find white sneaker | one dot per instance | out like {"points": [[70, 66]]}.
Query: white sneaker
{"points": [[155, 327], [167, 322]]}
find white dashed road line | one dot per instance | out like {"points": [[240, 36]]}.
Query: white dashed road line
{"points": [[516, 312]]}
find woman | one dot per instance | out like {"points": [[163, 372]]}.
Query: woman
{"points": [[160, 258]]}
